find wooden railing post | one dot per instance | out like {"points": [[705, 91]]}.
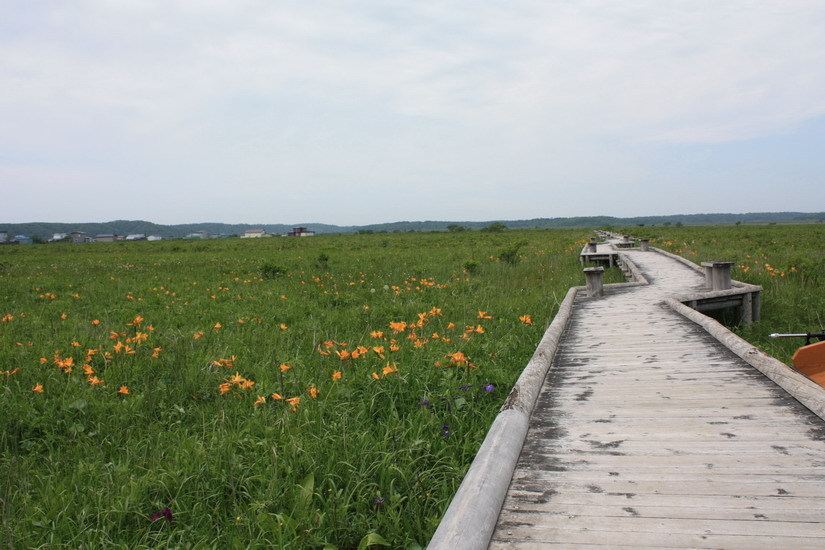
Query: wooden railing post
{"points": [[594, 278], [644, 244], [717, 275]]}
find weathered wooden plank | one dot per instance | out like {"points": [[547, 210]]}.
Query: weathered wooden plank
{"points": [[686, 401], [674, 412], [674, 488], [727, 432], [778, 458], [621, 446], [684, 419], [705, 476], [710, 543], [634, 509], [664, 376], [633, 525], [709, 504], [605, 539], [745, 389]]}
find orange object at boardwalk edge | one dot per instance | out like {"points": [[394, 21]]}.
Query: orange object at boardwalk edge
{"points": [[810, 361]]}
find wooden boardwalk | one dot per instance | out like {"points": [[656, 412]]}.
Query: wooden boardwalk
{"points": [[648, 433]]}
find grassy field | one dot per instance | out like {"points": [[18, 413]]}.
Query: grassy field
{"points": [[295, 393]]}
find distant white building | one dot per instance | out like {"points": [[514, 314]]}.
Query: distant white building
{"points": [[255, 234], [58, 237], [154, 238], [136, 237], [199, 235]]}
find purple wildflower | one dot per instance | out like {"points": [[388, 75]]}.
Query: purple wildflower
{"points": [[465, 387], [489, 387], [165, 513], [446, 431], [423, 403], [378, 501]]}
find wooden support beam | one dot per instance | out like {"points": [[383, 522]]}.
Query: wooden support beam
{"points": [[594, 278]]}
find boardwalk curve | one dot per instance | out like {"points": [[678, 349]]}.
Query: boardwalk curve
{"points": [[648, 432]]}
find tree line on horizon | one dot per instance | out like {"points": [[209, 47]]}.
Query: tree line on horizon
{"points": [[44, 230]]}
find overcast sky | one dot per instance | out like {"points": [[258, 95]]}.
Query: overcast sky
{"points": [[370, 111]]}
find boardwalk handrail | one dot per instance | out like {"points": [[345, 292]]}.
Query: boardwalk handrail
{"points": [[470, 519]]}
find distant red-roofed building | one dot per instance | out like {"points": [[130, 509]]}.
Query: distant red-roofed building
{"points": [[300, 232]]}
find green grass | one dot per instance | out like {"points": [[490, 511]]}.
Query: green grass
{"points": [[86, 466]]}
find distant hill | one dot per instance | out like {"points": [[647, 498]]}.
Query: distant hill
{"points": [[45, 230]]}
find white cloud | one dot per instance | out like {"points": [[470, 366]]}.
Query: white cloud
{"points": [[370, 93]]}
